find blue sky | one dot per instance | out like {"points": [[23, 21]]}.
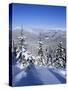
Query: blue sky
{"points": [[38, 16]]}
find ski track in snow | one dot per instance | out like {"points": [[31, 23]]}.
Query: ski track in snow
{"points": [[57, 75], [47, 77]]}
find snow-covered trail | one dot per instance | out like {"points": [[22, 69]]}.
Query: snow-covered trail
{"points": [[58, 75], [27, 77], [47, 77], [35, 75]]}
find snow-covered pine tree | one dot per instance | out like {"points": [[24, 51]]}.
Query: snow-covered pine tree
{"points": [[40, 52], [21, 50], [49, 56], [60, 60]]}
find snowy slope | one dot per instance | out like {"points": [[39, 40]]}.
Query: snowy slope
{"points": [[35, 75]]}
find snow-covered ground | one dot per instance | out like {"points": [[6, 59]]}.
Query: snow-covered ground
{"points": [[37, 75]]}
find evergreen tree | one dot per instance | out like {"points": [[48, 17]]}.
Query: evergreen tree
{"points": [[49, 53], [21, 49], [40, 51], [60, 60]]}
